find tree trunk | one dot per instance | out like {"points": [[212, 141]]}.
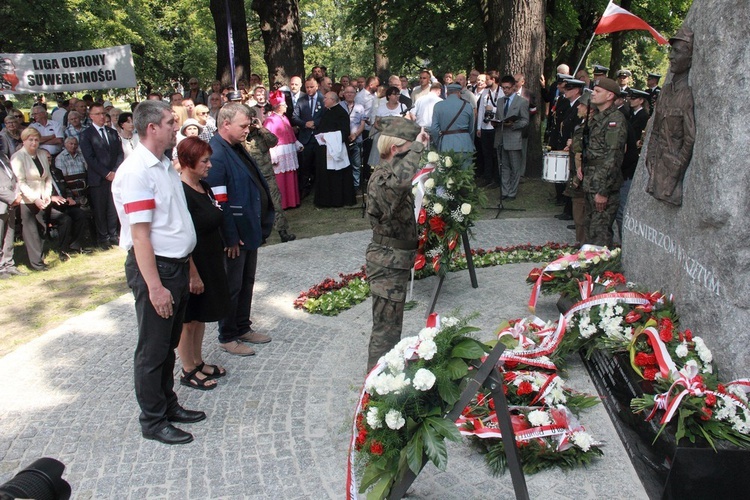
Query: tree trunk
{"points": [[239, 37], [381, 59], [515, 44], [282, 38]]}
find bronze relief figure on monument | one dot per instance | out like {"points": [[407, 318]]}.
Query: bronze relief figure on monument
{"points": [[673, 134]]}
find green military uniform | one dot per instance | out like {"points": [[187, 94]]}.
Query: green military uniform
{"points": [[602, 174], [390, 255], [258, 143]]}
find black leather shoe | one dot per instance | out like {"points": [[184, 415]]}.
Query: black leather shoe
{"points": [[64, 256], [170, 435], [104, 245], [185, 416], [571, 226]]}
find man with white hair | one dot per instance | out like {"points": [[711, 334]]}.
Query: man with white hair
{"points": [[51, 131]]}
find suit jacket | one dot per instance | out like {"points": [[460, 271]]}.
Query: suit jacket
{"points": [[303, 114], [8, 184], [290, 103], [239, 195], [101, 157], [33, 185], [636, 126], [511, 137], [569, 122]]}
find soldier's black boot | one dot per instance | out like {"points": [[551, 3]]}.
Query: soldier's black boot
{"points": [[286, 236]]}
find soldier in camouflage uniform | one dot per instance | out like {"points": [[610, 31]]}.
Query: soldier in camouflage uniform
{"points": [[602, 175], [258, 143], [390, 206]]}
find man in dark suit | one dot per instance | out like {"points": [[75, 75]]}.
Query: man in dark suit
{"points": [[242, 192], [307, 114], [293, 95], [102, 150]]}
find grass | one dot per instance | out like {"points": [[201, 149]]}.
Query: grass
{"points": [[36, 303]]}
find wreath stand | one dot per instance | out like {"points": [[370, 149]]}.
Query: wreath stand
{"points": [[472, 275], [487, 375]]}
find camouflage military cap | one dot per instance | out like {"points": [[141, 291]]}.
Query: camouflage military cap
{"points": [[397, 126], [607, 84]]}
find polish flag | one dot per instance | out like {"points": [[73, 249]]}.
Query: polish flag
{"points": [[615, 18]]}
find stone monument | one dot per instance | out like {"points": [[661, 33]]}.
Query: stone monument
{"points": [[700, 250]]}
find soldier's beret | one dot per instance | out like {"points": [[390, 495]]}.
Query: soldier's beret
{"points": [[639, 93], [397, 126], [599, 69], [608, 84]]}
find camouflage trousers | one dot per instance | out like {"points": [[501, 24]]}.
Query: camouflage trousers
{"points": [[280, 223], [388, 291], [599, 224]]}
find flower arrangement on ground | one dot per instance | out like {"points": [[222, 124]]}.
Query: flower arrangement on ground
{"points": [[546, 436], [331, 296], [399, 418], [447, 205], [563, 274]]}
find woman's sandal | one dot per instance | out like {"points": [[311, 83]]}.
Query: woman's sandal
{"points": [[216, 372], [190, 379]]}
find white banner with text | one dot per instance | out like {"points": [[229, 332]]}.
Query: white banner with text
{"points": [[107, 68]]}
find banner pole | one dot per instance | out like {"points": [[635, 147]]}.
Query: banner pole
{"points": [[583, 55]]}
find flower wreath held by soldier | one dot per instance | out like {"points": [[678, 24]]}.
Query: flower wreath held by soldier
{"points": [[391, 253]]}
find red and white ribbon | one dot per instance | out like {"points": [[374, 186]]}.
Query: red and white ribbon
{"points": [[418, 180], [663, 358], [586, 254]]}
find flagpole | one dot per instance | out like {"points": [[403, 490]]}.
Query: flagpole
{"points": [[583, 55]]}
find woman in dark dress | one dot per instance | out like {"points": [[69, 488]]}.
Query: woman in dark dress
{"points": [[333, 188], [209, 291]]}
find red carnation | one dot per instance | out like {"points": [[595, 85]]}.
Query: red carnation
{"points": [[510, 364], [361, 438], [509, 376], [376, 448], [665, 334], [643, 359], [524, 388], [437, 225], [721, 389], [650, 373], [706, 413], [422, 216], [710, 400], [666, 329], [632, 317], [688, 335]]}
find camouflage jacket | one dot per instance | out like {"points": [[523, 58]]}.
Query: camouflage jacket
{"points": [[390, 205], [258, 143], [608, 133]]}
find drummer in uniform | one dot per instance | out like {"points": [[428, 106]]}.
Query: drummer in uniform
{"points": [[602, 176]]}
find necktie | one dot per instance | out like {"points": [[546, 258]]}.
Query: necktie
{"points": [[505, 107], [104, 135], [312, 100]]}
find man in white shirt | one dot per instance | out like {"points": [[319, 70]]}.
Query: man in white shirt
{"points": [[158, 233], [51, 131], [422, 110]]}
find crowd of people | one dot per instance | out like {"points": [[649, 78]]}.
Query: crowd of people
{"points": [[191, 184]]}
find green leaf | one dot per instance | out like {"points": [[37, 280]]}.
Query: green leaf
{"points": [[468, 349], [457, 368], [381, 489], [448, 391], [435, 448], [371, 476], [415, 451], [444, 427]]}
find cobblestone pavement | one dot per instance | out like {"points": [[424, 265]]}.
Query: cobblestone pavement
{"points": [[278, 424]]}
